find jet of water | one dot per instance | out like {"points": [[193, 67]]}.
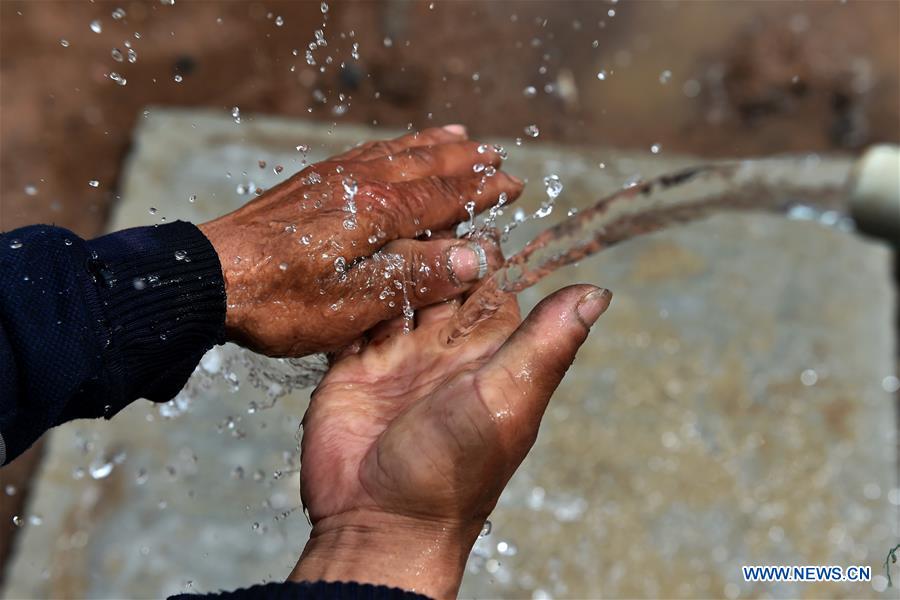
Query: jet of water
{"points": [[802, 187]]}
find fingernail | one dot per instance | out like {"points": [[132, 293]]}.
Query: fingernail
{"points": [[455, 129], [468, 262], [516, 180], [592, 305]]}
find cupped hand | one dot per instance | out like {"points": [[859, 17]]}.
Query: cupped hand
{"points": [[342, 245], [409, 442]]}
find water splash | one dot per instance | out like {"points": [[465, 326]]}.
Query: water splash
{"points": [[775, 185]]}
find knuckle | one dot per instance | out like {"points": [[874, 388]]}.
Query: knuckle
{"points": [[415, 199], [442, 187], [380, 147], [415, 259], [423, 157]]}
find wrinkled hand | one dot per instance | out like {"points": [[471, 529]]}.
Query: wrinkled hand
{"points": [[408, 443], [327, 254]]}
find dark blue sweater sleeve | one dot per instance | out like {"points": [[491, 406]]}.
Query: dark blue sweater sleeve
{"points": [[86, 327], [309, 590]]}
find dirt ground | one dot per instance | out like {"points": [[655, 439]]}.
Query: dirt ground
{"points": [[713, 79]]}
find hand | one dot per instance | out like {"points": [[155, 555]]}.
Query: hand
{"points": [[408, 443], [327, 254]]}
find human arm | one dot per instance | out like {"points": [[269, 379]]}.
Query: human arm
{"points": [[88, 326], [84, 335]]}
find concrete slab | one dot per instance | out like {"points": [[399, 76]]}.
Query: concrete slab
{"points": [[729, 409]]}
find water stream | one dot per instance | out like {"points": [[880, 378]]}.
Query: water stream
{"points": [[800, 187]]}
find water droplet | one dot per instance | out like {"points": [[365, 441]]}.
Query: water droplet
{"points": [[350, 187], [655, 148], [18, 521], [601, 75], [94, 183], [152, 210], [324, 7], [529, 92], [96, 26], [691, 88], [340, 264], [192, 198], [119, 79], [178, 78], [64, 43], [485, 529], [279, 21], [665, 77], [100, 469], [180, 255], [132, 55], [890, 384], [118, 14], [470, 208], [283, 266], [553, 186], [30, 190], [478, 167], [139, 283], [507, 549], [117, 55], [15, 244], [236, 114], [532, 131], [809, 377]]}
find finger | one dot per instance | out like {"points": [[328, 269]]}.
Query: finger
{"points": [[412, 273], [386, 329], [406, 209], [519, 379], [426, 137], [457, 159]]}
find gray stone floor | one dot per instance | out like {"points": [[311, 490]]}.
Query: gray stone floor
{"points": [[727, 410]]}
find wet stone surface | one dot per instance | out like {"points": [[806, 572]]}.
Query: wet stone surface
{"points": [[729, 409]]}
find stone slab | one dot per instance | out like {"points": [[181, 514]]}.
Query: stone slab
{"points": [[727, 410]]}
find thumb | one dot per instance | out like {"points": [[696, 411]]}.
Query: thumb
{"points": [[520, 378]]}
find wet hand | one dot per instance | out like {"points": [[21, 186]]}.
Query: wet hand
{"points": [[408, 442], [342, 245]]}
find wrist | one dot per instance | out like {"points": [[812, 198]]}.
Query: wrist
{"points": [[423, 556], [216, 232]]}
